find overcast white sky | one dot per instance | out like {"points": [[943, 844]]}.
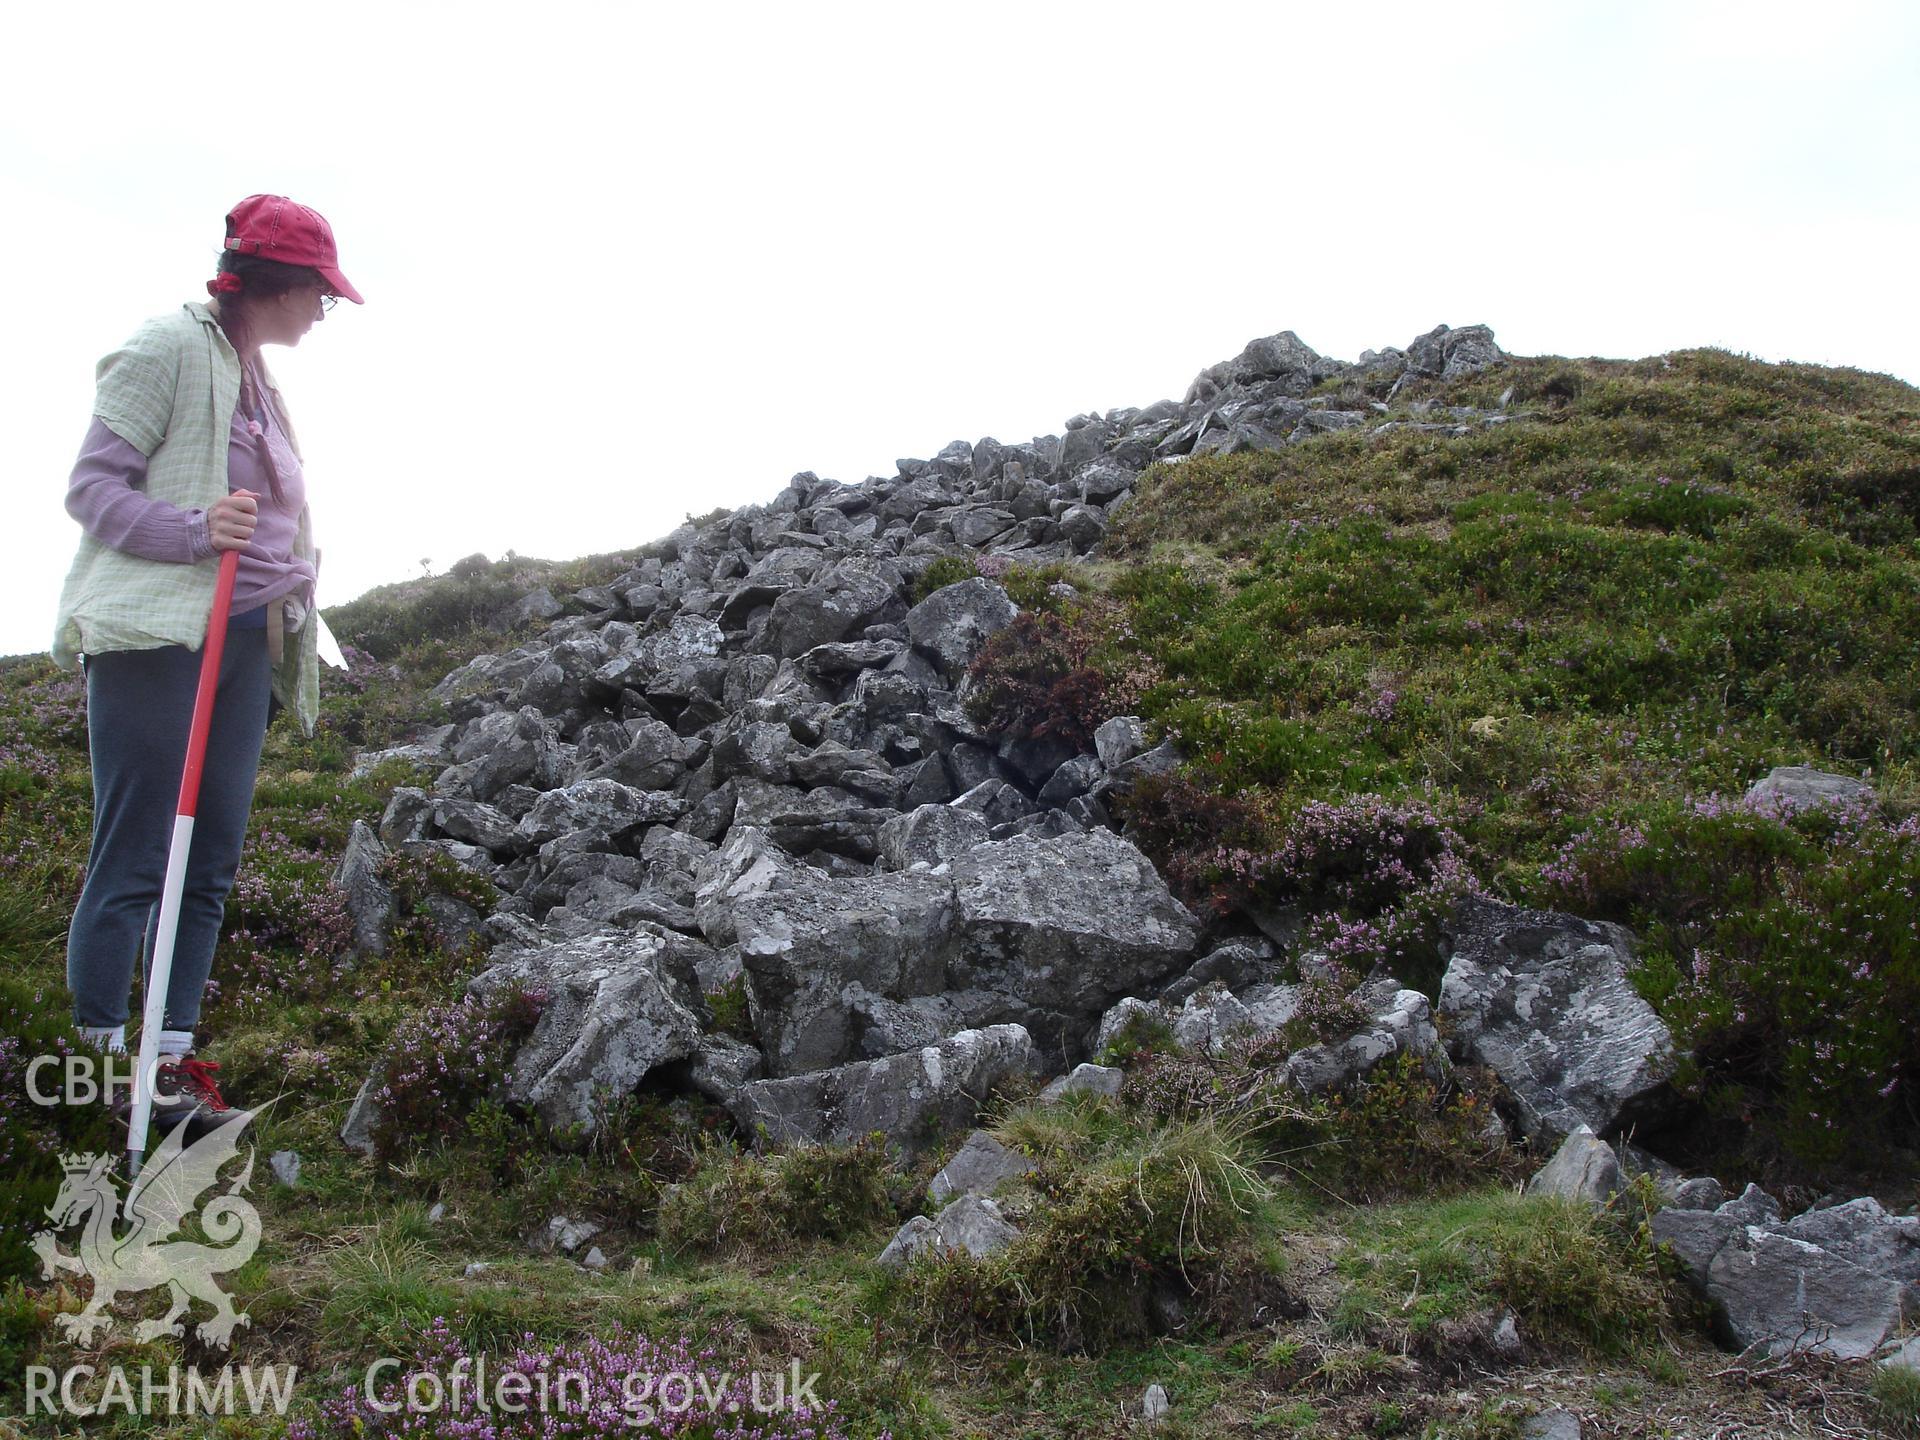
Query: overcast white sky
{"points": [[627, 262]]}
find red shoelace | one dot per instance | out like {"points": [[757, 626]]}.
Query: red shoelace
{"points": [[197, 1080]]}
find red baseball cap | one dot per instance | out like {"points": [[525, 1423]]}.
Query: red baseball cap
{"points": [[274, 227]]}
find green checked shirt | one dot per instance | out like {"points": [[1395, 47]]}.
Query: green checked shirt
{"points": [[170, 392]]}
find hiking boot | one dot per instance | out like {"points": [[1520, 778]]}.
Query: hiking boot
{"points": [[184, 1092]]}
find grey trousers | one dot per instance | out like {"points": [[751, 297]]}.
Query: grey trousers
{"points": [[139, 710]]}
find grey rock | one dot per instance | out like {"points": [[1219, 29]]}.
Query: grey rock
{"points": [[1753, 1206], [1046, 932], [828, 818], [1084, 1079], [805, 942], [1904, 1356], [1544, 999], [1787, 1295], [848, 657], [527, 754], [286, 1166], [1082, 528], [563, 1233], [1506, 1335], [1034, 759], [1162, 759], [357, 1131], [1402, 1024], [1865, 1234], [1583, 1168], [408, 816], [1450, 353], [437, 1212], [600, 804], [1074, 777], [748, 864], [1799, 787], [1283, 357], [977, 525], [995, 801], [477, 823], [1234, 963], [1836, 1281], [952, 623], [431, 749], [759, 748], [594, 1259], [1116, 1019], [618, 1005], [1702, 1193], [971, 1224], [1208, 1019], [686, 640], [534, 608], [1551, 1425], [918, 1236], [1120, 739], [1066, 925], [850, 599], [369, 899], [1154, 1404], [978, 1168], [932, 835], [908, 1098], [722, 1065], [656, 758]]}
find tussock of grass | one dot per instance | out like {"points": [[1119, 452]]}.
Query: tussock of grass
{"points": [[735, 1203], [1122, 1207], [1574, 1276], [1896, 1391]]}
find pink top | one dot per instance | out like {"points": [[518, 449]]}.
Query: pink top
{"points": [[107, 495]]}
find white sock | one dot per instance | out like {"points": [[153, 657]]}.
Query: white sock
{"points": [[176, 1042], [112, 1038]]}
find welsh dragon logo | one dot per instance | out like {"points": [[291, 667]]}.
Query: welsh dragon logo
{"points": [[148, 1253]]}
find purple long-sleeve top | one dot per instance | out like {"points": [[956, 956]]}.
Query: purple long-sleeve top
{"points": [[107, 495]]}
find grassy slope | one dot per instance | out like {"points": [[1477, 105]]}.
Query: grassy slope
{"points": [[1633, 640]]}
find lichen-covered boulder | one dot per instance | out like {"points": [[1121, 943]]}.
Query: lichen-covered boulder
{"points": [[979, 1168], [1545, 1001], [618, 1005], [909, 1098], [954, 622]]}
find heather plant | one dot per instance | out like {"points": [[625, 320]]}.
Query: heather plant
{"points": [[1037, 679], [1374, 877], [1784, 948], [283, 895], [626, 1384], [441, 1062], [945, 570], [24, 1325], [732, 1012], [34, 1022], [45, 802]]}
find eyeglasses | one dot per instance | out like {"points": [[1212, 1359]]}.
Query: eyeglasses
{"points": [[327, 302]]}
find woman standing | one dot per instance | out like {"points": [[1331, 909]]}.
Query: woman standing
{"points": [[190, 453]]}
